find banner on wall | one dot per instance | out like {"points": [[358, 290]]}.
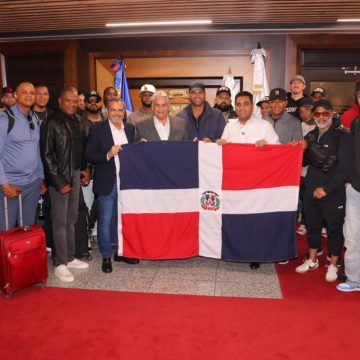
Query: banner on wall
{"points": [[121, 84], [184, 199], [260, 83]]}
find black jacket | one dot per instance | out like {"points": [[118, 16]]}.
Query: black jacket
{"points": [[98, 144], [56, 149], [338, 142]]}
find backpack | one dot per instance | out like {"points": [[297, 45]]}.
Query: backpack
{"points": [[11, 118]]}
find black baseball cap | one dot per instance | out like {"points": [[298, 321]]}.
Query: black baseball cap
{"points": [[223, 89], [197, 85], [306, 102], [8, 90], [278, 94], [324, 103], [320, 90], [92, 93]]}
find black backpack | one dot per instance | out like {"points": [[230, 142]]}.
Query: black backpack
{"points": [[11, 118]]}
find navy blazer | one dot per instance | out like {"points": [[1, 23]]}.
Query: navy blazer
{"points": [[99, 142]]}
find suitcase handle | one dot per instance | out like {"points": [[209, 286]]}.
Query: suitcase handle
{"points": [[7, 212]]}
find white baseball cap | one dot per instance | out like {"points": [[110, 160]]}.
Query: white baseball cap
{"points": [[148, 87]]}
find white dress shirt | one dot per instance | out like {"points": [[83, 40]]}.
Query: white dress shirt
{"points": [[163, 130], [253, 130], [119, 138]]}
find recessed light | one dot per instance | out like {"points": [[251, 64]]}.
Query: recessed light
{"points": [[160, 23], [348, 20]]}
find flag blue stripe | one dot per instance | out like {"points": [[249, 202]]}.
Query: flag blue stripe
{"points": [[159, 165], [264, 237]]}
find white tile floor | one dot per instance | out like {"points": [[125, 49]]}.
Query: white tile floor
{"points": [[195, 276]]}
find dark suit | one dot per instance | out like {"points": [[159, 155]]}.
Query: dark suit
{"points": [[146, 130], [105, 186], [98, 144]]}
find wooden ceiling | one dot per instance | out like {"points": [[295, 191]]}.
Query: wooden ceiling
{"points": [[41, 18]]}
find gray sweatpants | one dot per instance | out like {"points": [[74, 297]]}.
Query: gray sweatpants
{"points": [[352, 236]]}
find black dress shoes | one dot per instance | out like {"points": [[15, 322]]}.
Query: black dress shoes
{"points": [[254, 265], [106, 266], [126, 259]]}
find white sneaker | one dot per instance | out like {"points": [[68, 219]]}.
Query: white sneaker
{"points": [[77, 264], [306, 266], [324, 232], [64, 274], [331, 274], [301, 230]]}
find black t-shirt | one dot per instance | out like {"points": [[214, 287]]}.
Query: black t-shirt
{"points": [[293, 106]]}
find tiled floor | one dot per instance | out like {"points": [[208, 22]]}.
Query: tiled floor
{"points": [[195, 276]]}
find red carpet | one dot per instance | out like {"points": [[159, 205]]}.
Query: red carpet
{"points": [[312, 285], [57, 323]]}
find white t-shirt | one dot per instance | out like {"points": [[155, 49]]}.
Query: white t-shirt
{"points": [[254, 129]]}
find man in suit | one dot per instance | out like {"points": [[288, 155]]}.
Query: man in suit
{"points": [[161, 125], [102, 149]]}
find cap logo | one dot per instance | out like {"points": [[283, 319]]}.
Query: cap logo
{"points": [[277, 92]]}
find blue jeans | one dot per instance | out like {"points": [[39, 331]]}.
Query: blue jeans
{"points": [[108, 223]]}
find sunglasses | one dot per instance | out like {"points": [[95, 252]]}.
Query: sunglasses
{"points": [[31, 124], [92, 101], [322, 113]]}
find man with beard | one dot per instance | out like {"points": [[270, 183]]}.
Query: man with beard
{"points": [[324, 196], [223, 103], [41, 100], [202, 121], [8, 97], [110, 93], [144, 112], [264, 106], [294, 97]]}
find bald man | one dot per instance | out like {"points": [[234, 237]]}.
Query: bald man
{"points": [[21, 169]]}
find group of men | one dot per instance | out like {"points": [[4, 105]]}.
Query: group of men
{"points": [[68, 152]]}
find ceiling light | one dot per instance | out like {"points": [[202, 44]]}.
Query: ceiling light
{"points": [[348, 20], [160, 23]]}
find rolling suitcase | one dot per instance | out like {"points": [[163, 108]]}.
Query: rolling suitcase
{"points": [[22, 256]]}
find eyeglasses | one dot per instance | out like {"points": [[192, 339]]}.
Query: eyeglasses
{"points": [[92, 101], [322, 113], [31, 124]]}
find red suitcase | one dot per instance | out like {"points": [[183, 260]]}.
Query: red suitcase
{"points": [[22, 256]]}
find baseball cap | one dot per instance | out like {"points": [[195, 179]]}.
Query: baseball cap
{"points": [[197, 85], [297, 77], [306, 102], [324, 103], [148, 88], [223, 89], [92, 93], [8, 90], [264, 99], [277, 94], [320, 90]]}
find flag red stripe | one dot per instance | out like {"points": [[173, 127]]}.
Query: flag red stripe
{"points": [[161, 236], [267, 167]]}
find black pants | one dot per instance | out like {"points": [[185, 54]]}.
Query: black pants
{"points": [[330, 209]]}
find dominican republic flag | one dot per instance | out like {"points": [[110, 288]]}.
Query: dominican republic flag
{"points": [[184, 199]]}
